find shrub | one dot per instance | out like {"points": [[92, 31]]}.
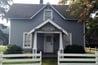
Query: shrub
{"points": [[74, 49], [13, 49]]}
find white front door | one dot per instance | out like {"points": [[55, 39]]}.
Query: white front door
{"points": [[48, 43]]}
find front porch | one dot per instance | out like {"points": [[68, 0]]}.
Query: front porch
{"points": [[47, 42], [48, 37]]}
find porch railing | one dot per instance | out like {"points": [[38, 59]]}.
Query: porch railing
{"points": [[21, 59]]}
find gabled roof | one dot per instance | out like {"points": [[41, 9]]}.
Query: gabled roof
{"points": [[23, 11], [51, 22], [27, 11]]}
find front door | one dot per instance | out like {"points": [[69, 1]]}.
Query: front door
{"points": [[48, 43]]}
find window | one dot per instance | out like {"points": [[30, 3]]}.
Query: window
{"points": [[47, 14], [27, 40]]}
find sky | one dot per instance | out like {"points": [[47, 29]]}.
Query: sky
{"points": [[30, 2], [36, 1]]}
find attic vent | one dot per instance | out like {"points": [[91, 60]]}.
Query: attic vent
{"points": [[48, 14]]}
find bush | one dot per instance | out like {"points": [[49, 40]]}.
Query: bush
{"points": [[74, 49], [13, 49]]}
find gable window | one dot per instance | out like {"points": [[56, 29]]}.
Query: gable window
{"points": [[47, 14], [27, 40]]}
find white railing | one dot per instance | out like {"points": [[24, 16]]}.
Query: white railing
{"points": [[77, 59], [21, 59]]}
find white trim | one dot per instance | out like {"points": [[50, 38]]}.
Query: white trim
{"points": [[47, 32], [70, 38], [37, 12], [24, 40], [44, 43], [50, 14], [84, 34], [35, 41], [20, 18], [60, 42], [57, 12], [96, 12], [10, 33], [49, 21], [96, 16]]}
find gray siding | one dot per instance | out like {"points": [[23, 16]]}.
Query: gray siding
{"points": [[40, 42], [20, 26], [56, 42], [73, 27]]}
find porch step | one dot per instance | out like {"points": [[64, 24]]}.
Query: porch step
{"points": [[49, 55]]}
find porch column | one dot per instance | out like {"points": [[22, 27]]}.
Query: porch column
{"points": [[70, 38], [35, 43], [60, 43]]}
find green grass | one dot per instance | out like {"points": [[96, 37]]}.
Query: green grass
{"points": [[44, 62], [2, 48], [49, 62], [28, 62]]}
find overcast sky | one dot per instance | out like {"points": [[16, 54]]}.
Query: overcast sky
{"points": [[36, 1]]}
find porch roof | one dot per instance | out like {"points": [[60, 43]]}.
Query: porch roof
{"points": [[51, 22]]}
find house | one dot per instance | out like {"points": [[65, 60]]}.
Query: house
{"points": [[44, 27]]}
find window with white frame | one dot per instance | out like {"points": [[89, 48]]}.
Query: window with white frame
{"points": [[48, 14], [27, 40]]}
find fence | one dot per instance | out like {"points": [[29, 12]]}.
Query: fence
{"points": [[77, 59], [21, 59], [90, 50]]}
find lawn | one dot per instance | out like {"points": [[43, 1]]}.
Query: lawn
{"points": [[2, 48], [44, 62], [49, 62]]}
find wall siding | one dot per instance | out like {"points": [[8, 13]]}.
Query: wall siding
{"points": [[73, 27]]}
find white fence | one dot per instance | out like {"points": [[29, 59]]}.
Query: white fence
{"points": [[77, 59], [21, 59]]}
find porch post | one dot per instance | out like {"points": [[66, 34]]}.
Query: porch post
{"points": [[60, 43], [70, 38], [35, 43]]}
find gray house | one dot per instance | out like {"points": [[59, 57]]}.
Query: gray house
{"points": [[44, 27]]}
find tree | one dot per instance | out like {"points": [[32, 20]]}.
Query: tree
{"points": [[4, 6], [89, 15], [88, 6]]}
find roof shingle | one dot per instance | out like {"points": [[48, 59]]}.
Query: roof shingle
{"points": [[25, 11]]}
